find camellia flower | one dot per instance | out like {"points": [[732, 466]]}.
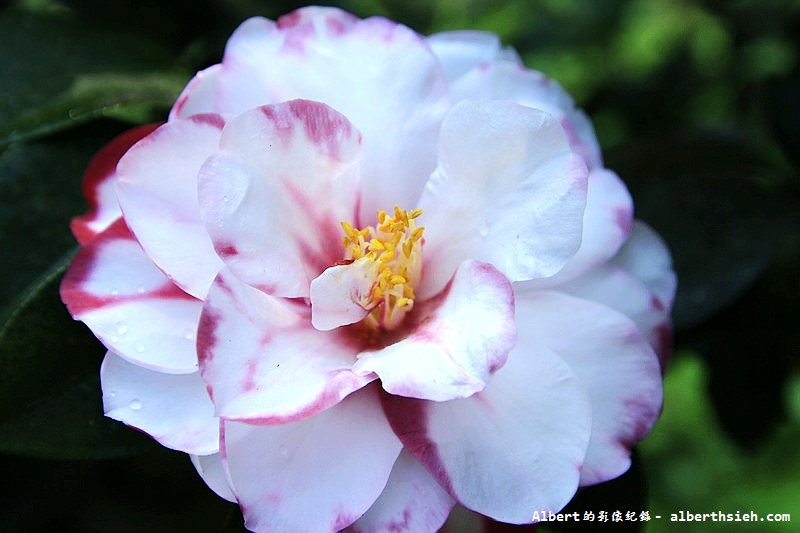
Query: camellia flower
{"points": [[360, 275]]}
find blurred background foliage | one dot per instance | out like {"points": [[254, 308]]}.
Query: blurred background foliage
{"points": [[696, 105]]}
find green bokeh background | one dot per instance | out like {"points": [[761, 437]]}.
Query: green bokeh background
{"points": [[696, 105]]}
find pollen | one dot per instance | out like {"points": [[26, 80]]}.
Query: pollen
{"points": [[393, 249]]}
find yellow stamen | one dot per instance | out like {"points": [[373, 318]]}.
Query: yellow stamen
{"points": [[394, 248]]}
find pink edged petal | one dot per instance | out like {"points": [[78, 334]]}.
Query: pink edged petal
{"points": [[157, 189], [380, 75], [614, 361], [618, 289], [505, 79], [99, 185], [318, 474], [275, 195], [173, 409], [198, 95], [511, 449], [607, 223], [212, 471], [341, 295], [412, 502], [264, 362], [508, 191], [459, 339], [130, 305], [646, 256]]}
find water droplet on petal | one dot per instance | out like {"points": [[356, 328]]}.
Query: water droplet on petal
{"points": [[483, 229], [121, 328], [135, 405], [114, 292], [140, 290], [188, 334], [114, 338], [111, 394], [140, 348]]}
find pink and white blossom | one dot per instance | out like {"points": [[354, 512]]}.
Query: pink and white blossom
{"points": [[361, 275]]}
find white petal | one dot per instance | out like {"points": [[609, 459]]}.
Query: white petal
{"points": [[646, 256], [131, 306], [461, 51], [157, 189], [614, 361], [263, 360], [508, 191], [212, 471], [412, 502], [274, 197], [380, 75], [509, 450], [340, 295], [457, 341], [173, 409], [319, 474]]}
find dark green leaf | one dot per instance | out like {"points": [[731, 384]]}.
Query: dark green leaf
{"points": [[57, 72], [49, 388]]}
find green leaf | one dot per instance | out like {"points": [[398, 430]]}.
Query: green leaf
{"points": [[133, 98], [50, 399], [40, 187], [81, 72]]}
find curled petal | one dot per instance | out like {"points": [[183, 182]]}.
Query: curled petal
{"points": [[318, 474], [116, 290], [157, 189], [459, 340], [508, 191], [274, 197], [212, 471], [513, 448], [341, 295], [461, 51], [646, 256], [264, 362], [607, 223], [411, 502], [173, 409], [612, 358], [99, 185], [379, 74]]}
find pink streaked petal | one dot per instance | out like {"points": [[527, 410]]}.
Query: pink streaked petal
{"points": [[157, 189], [607, 223], [318, 474], [212, 471], [646, 256], [341, 295], [99, 185], [459, 339], [114, 288], [373, 61], [412, 502], [506, 79], [513, 448], [618, 289], [173, 409], [275, 195], [264, 362], [508, 191], [614, 361]]}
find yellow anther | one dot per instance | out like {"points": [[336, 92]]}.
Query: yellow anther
{"points": [[395, 274]]}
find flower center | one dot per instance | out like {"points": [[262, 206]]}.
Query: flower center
{"points": [[392, 253]]}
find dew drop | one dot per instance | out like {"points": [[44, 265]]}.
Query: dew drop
{"points": [[483, 229], [140, 290], [140, 348], [114, 338], [114, 292], [226, 199], [188, 334], [122, 328], [111, 394], [135, 405]]}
